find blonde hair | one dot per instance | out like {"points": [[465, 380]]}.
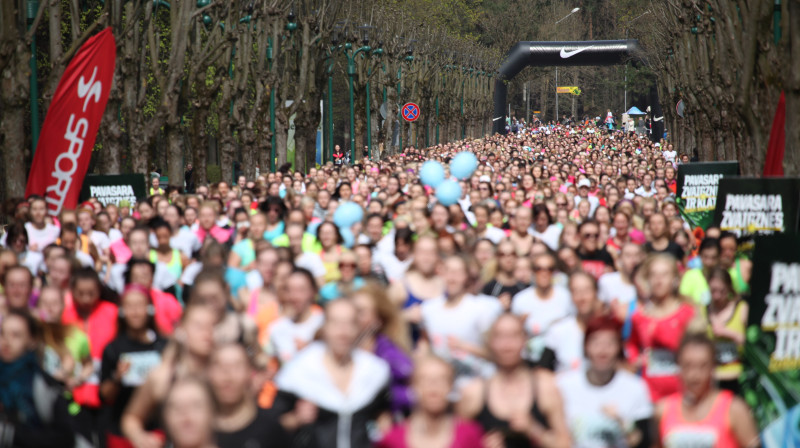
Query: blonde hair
{"points": [[392, 325]]}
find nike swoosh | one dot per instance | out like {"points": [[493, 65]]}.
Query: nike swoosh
{"points": [[568, 54], [658, 118]]}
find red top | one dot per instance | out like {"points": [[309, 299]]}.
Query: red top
{"points": [[713, 430], [658, 341], [101, 328], [467, 434]]}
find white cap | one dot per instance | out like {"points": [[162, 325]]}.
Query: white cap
{"points": [[584, 183], [485, 178]]}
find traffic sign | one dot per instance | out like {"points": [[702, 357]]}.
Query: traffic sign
{"points": [[410, 112]]}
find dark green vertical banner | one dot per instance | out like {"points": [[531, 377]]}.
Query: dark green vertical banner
{"points": [[697, 189], [771, 378]]}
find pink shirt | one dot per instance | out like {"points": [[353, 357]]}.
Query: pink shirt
{"points": [[218, 233], [168, 311], [121, 251], [467, 435]]}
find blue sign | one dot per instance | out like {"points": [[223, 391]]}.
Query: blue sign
{"points": [[410, 112]]}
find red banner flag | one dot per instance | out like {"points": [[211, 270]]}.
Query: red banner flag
{"points": [[70, 127], [773, 164]]}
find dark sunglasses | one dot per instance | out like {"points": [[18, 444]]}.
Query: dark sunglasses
{"points": [[347, 265], [549, 269], [590, 235]]}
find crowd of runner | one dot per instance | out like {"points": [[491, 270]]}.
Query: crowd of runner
{"points": [[561, 302]]}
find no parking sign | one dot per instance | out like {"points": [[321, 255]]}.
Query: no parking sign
{"points": [[410, 112]]}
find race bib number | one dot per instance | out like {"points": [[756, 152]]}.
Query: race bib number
{"points": [[597, 431], [727, 352], [534, 348], [691, 437], [661, 362], [141, 364]]}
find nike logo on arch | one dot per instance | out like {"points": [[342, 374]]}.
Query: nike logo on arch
{"points": [[568, 54]]}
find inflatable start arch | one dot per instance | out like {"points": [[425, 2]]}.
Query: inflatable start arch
{"points": [[551, 54]]}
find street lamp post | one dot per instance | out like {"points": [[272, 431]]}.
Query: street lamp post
{"points": [[557, 22], [351, 73], [409, 58], [626, 65], [337, 32], [365, 30]]}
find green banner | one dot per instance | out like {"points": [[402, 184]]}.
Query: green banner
{"points": [[771, 378], [697, 189], [113, 188]]}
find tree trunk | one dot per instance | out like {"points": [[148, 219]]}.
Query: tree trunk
{"points": [[110, 135], [227, 147], [249, 156], [14, 92], [305, 146], [199, 144], [281, 136], [12, 134], [175, 166]]}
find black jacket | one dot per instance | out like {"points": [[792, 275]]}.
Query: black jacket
{"points": [[60, 420]]}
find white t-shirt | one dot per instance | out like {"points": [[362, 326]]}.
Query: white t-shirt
{"points": [[583, 405], [185, 241], [162, 278], [34, 261], [312, 263], [494, 235], [114, 235], [468, 322], [391, 266], [644, 193], [41, 238], [541, 315], [550, 236], [610, 287], [284, 334], [670, 155], [565, 339], [253, 280], [100, 241], [84, 259]]}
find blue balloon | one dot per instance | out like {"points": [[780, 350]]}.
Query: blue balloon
{"points": [[463, 165], [448, 192], [348, 237], [347, 214], [431, 173]]}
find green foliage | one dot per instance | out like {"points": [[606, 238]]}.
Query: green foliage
{"points": [[213, 173]]}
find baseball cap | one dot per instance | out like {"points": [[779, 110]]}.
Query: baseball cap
{"points": [[584, 183]]}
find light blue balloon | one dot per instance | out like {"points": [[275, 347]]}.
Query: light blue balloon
{"points": [[347, 214], [448, 192], [349, 240], [431, 173], [463, 165]]}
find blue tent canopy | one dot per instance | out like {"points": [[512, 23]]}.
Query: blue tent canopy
{"points": [[634, 111]]}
